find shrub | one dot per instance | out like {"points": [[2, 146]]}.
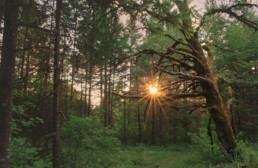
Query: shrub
{"points": [[85, 142]]}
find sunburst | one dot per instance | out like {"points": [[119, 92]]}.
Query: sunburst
{"points": [[153, 90]]}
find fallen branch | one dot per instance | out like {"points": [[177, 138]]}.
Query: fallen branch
{"points": [[226, 154]]}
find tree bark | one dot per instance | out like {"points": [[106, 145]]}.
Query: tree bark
{"points": [[26, 77], [101, 86], [86, 90], [153, 126], [109, 97], [214, 100], [90, 88], [73, 63], [2, 5], [124, 124], [105, 96], [24, 52], [81, 98], [71, 92], [138, 113], [56, 98], [7, 78]]}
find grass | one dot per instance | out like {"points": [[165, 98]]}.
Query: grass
{"points": [[155, 157], [176, 156]]}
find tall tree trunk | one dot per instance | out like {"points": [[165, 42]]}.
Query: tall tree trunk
{"points": [[90, 88], [101, 86], [85, 99], [124, 124], [7, 78], [56, 98], [25, 40], [81, 98], [71, 92], [46, 75], [105, 96], [86, 90], [26, 77], [138, 113], [62, 78], [24, 52], [153, 126], [109, 96], [214, 100], [73, 62], [2, 5]]}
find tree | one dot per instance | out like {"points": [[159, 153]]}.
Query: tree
{"points": [[56, 89], [189, 56], [7, 78]]}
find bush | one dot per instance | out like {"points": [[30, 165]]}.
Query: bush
{"points": [[248, 152], [206, 155], [22, 152], [85, 142]]}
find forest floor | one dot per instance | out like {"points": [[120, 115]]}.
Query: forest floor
{"points": [[166, 157], [154, 157]]}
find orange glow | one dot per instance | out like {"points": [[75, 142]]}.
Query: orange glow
{"points": [[153, 90]]}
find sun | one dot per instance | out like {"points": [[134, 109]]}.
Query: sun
{"points": [[153, 90]]}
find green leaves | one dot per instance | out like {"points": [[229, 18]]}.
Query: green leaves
{"points": [[86, 142]]}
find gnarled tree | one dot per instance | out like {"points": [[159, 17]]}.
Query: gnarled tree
{"points": [[190, 56]]}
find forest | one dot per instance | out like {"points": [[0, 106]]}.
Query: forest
{"points": [[128, 84]]}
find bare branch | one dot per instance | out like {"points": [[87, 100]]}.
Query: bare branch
{"points": [[185, 95], [129, 96], [179, 41], [168, 56], [229, 11], [165, 97], [174, 83], [185, 54], [120, 61], [193, 77]]}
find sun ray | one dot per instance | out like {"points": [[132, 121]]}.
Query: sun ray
{"points": [[148, 111], [163, 110], [154, 89], [144, 97]]}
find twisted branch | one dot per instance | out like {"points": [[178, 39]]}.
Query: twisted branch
{"points": [[168, 56], [229, 11], [193, 77]]}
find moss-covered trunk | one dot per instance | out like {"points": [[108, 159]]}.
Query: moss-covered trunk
{"points": [[214, 100], [221, 119]]}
